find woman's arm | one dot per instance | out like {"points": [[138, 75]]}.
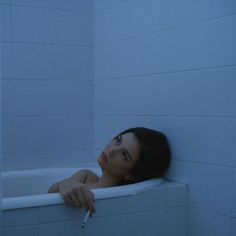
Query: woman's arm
{"points": [[75, 192]]}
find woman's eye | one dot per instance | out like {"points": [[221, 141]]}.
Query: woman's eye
{"points": [[124, 156], [118, 140]]}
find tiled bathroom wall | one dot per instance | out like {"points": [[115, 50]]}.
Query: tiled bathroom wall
{"points": [[47, 51], [171, 66], [0, 132], [167, 65]]}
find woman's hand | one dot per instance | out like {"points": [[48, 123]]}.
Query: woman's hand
{"points": [[74, 193]]}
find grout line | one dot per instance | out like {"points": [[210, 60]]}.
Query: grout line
{"points": [[110, 6], [74, 9], [209, 211], [164, 29], [47, 43], [167, 72], [164, 115], [205, 163]]}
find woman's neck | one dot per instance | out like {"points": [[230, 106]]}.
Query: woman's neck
{"points": [[107, 180]]}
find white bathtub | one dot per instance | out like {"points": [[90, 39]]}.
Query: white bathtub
{"points": [[29, 210]]}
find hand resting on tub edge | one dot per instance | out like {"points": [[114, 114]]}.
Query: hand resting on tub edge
{"points": [[134, 155]]}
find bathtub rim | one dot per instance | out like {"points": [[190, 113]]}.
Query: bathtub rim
{"points": [[46, 199]]}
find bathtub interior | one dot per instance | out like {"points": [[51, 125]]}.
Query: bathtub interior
{"points": [[35, 181], [29, 188]]}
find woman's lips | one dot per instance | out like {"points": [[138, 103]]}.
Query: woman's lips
{"points": [[104, 157]]}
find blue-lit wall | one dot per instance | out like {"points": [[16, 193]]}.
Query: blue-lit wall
{"points": [[0, 128], [47, 51], [74, 75], [171, 65]]}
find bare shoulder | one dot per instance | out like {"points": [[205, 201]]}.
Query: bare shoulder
{"points": [[91, 176], [85, 176]]}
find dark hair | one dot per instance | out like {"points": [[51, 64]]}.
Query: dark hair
{"points": [[154, 157]]}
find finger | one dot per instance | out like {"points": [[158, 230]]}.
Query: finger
{"points": [[80, 196], [53, 189], [74, 199], [68, 200], [89, 197]]}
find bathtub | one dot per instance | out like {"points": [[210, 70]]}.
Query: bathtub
{"points": [[121, 210]]}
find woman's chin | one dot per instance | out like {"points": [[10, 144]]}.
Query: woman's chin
{"points": [[100, 162]]}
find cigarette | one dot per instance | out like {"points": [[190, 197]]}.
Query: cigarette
{"points": [[85, 219]]}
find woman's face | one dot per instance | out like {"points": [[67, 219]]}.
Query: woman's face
{"points": [[120, 155]]}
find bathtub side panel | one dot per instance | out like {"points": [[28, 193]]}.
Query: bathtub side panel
{"points": [[20, 217], [0, 124], [152, 212]]}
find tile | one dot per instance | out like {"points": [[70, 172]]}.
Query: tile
{"points": [[25, 30], [62, 212], [152, 222], [121, 98], [216, 189], [142, 54], [85, 34], [177, 196], [233, 197], [6, 1], [6, 62], [62, 26], [195, 139], [99, 5], [61, 97], [85, 104], [6, 12], [26, 231], [112, 225], [204, 223], [68, 62], [176, 221], [26, 61], [28, 134], [154, 199], [14, 217], [7, 134], [6, 97], [202, 88], [161, 16], [62, 229], [111, 206], [79, 5], [33, 3], [70, 132], [233, 226], [28, 97]]}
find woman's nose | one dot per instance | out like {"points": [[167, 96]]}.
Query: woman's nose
{"points": [[110, 151]]}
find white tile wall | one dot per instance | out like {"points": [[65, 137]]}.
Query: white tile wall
{"points": [[61, 228], [176, 221], [143, 223], [112, 225], [59, 213], [149, 212], [233, 196], [23, 29], [26, 231], [161, 16], [206, 223], [14, 217], [48, 79], [182, 54]]}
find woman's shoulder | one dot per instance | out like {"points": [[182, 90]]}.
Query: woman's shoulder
{"points": [[85, 176], [91, 176]]}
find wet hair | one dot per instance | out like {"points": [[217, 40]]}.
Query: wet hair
{"points": [[154, 154]]}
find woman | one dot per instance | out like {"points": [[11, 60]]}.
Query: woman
{"points": [[134, 155]]}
